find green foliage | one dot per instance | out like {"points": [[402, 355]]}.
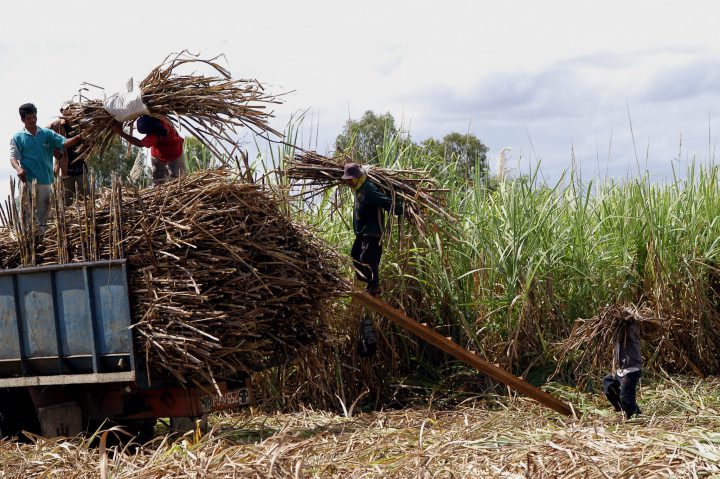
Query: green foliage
{"points": [[115, 160], [465, 149], [197, 156], [364, 137], [531, 258], [365, 140]]}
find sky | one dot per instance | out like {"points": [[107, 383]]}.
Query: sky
{"points": [[611, 87]]}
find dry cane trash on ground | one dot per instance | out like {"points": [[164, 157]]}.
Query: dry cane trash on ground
{"points": [[679, 438], [222, 281]]}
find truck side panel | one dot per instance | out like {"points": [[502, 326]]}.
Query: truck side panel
{"points": [[74, 308], [38, 318], [65, 324], [10, 344]]}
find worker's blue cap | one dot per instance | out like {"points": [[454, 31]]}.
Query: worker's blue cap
{"points": [[146, 124], [352, 170]]}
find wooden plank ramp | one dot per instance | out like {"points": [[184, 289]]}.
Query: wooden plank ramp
{"points": [[462, 354]]}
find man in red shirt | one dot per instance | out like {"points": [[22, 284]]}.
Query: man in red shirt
{"points": [[166, 146]]}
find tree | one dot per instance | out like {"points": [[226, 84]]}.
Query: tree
{"points": [[465, 149], [363, 137], [115, 159]]}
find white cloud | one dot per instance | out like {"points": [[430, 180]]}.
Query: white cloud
{"points": [[562, 70]]}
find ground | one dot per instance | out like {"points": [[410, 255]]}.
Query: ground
{"points": [[677, 436]]}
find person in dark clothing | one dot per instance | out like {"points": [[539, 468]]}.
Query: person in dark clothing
{"points": [[368, 221], [74, 173], [620, 387]]}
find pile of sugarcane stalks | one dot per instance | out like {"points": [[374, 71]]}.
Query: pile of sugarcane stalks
{"points": [[211, 108], [21, 238], [9, 252], [674, 344], [222, 281], [314, 174]]}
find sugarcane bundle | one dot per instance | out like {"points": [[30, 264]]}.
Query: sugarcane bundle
{"points": [[9, 248], [669, 342], [221, 280], [423, 201], [211, 107], [9, 252]]}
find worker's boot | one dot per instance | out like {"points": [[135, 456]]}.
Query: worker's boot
{"points": [[374, 291], [368, 342]]}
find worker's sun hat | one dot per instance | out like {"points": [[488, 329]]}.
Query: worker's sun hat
{"points": [[352, 170], [147, 124]]}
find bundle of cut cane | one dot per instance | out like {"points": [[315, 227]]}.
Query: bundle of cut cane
{"points": [[211, 107], [668, 342], [221, 280], [9, 253], [314, 174]]}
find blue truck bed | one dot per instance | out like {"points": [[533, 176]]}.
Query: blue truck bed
{"points": [[65, 324]]}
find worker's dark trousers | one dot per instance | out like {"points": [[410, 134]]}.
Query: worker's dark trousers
{"points": [[366, 252], [621, 392]]}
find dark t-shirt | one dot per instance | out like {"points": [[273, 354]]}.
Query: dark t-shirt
{"points": [[627, 348], [370, 202], [74, 168]]}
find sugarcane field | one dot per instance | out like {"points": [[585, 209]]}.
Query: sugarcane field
{"points": [[513, 273]]}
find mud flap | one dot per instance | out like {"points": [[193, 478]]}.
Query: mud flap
{"points": [[61, 420]]}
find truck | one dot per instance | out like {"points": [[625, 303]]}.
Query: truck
{"points": [[70, 362]]}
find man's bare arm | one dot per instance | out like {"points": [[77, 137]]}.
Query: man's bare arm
{"points": [[117, 128], [70, 142], [15, 162], [61, 161], [18, 168]]}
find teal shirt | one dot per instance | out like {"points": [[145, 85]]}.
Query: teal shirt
{"points": [[35, 153]]}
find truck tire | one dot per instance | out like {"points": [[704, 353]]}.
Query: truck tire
{"points": [[181, 425], [17, 413], [142, 429], [139, 431], [4, 427]]}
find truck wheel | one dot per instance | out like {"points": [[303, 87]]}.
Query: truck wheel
{"points": [[17, 413], [142, 429], [4, 429], [181, 425]]}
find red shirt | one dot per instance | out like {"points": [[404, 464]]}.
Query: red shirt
{"points": [[165, 148]]}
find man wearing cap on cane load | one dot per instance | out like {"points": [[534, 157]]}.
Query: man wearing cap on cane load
{"points": [[367, 248], [166, 146], [368, 224]]}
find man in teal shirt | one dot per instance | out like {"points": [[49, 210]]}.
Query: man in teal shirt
{"points": [[31, 154]]}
